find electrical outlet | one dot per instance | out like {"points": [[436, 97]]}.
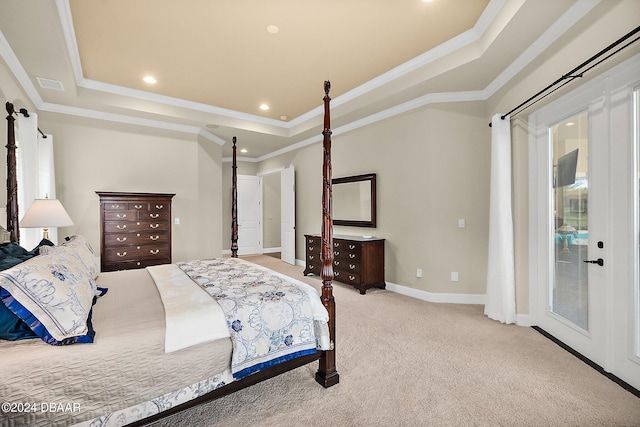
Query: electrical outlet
{"points": [[419, 272], [461, 223], [454, 276]]}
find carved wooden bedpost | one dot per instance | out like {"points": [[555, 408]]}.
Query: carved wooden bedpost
{"points": [[12, 178], [327, 374], [234, 203]]}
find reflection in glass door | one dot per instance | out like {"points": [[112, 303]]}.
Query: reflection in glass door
{"points": [[569, 289]]}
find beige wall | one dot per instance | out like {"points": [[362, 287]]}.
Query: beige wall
{"points": [[432, 169], [96, 155]]}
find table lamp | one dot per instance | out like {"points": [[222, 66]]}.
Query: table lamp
{"points": [[45, 213]]}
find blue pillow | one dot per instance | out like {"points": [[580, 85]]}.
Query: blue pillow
{"points": [[13, 254], [13, 249], [12, 328]]}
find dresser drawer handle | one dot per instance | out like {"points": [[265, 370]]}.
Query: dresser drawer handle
{"points": [[121, 216], [154, 237], [311, 257], [121, 239], [115, 206], [154, 216], [336, 262], [154, 251], [159, 206], [352, 278], [352, 256], [121, 254], [352, 246], [335, 245], [137, 206], [121, 227], [310, 248], [154, 225], [352, 266], [336, 253], [337, 273], [311, 267]]}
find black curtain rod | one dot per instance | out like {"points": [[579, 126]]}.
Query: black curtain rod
{"points": [[24, 112], [573, 74]]}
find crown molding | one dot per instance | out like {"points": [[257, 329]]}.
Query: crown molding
{"points": [[122, 118], [576, 12], [468, 37]]}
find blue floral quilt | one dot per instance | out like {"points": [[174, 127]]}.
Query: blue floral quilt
{"points": [[271, 319]]}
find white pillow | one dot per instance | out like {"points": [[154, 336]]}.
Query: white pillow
{"points": [[79, 247]]}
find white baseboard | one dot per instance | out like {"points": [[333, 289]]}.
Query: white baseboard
{"points": [[521, 320], [437, 297], [264, 251]]}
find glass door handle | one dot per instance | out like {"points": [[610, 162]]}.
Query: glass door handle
{"points": [[598, 261]]}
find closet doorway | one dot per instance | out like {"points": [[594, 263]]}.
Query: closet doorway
{"points": [[266, 214], [584, 228]]}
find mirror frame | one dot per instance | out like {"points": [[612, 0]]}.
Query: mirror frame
{"points": [[358, 178]]}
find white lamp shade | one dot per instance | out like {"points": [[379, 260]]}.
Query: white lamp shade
{"points": [[46, 213]]}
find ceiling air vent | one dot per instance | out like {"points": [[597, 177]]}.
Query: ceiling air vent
{"points": [[50, 84]]}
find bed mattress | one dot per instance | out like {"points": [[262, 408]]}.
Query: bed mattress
{"points": [[44, 385]]}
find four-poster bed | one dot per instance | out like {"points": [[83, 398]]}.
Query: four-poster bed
{"points": [[129, 375]]}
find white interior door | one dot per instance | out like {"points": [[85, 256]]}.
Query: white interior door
{"points": [[249, 215], [584, 222], [288, 215]]}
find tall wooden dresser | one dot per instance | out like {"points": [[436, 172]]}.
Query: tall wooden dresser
{"points": [[135, 230], [357, 261]]}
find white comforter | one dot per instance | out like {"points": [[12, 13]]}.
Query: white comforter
{"points": [[191, 316]]}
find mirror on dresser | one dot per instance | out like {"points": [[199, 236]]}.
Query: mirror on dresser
{"points": [[354, 200]]}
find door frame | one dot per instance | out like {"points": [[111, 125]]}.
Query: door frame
{"points": [[288, 210]]}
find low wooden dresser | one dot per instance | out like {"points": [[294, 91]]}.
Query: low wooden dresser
{"points": [[135, 230], [357, 261]]}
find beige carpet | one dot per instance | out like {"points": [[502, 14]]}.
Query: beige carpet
{"points": [[406, 362]]}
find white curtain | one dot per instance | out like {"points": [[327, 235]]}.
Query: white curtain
{"points": [[501, 303], [36, 175]]}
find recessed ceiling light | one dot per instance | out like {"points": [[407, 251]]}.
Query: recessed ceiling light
{"points": [[150, 80], [264, 107], [244, 150], [427, 1], [569, 124], [273, 29], [284, 118]]}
